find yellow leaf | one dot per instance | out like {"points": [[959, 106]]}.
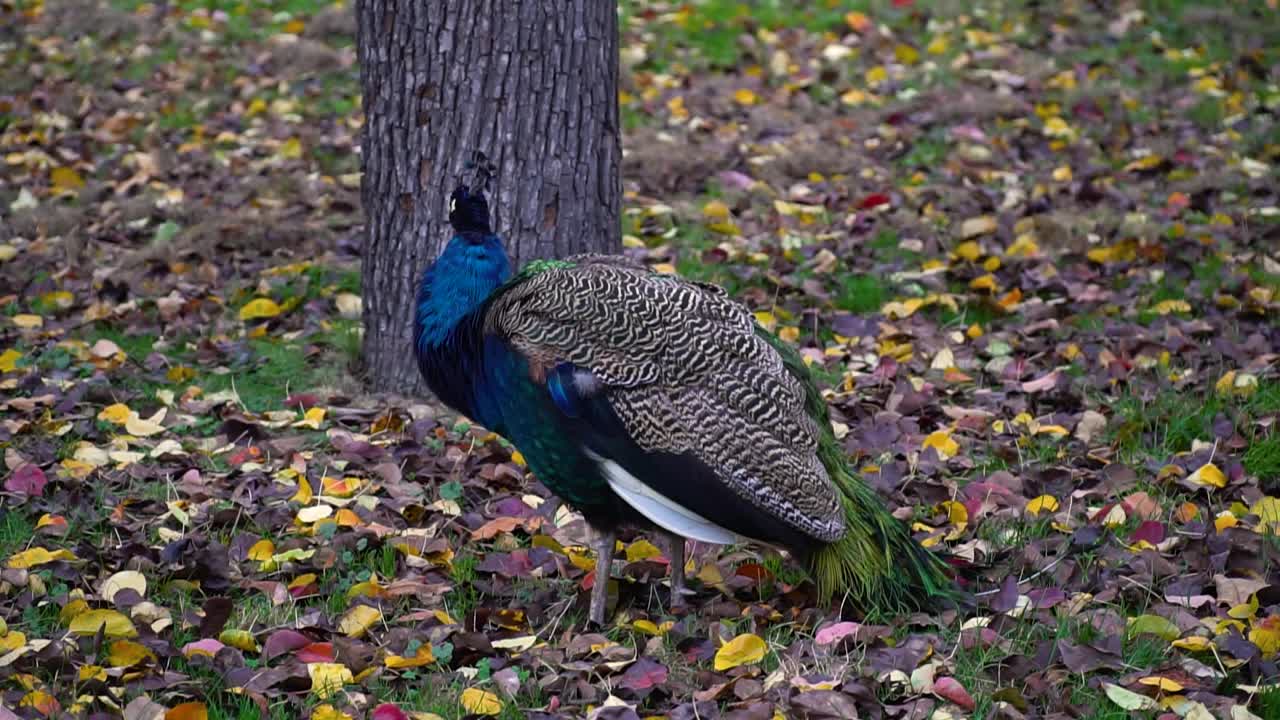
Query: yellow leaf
{"points": [[766, 319], [942, 443], [422, 657], [145, 427], [262, 550], [968, 250], [480, 702], [984, 283], [899, 309], [291, 149], [1244, 610], [1062, 173], [9, 360], [1236, 384], [742, 650], [1268, 511], [1165, 307], [358, 620], [1266, 635], [1195, 643], [294, 27], [304, 494], [649, 627], [876, 75], [642, 550], [1225, 520], [1044, 503], [302, 580], [259, 308], [1163, 683], [125, 579], [328, 678], [906, 54], [1058, 128], [92, 673], [71, 610], [716, 210], [38, 556], [311, 418], [114, 624], [744, 96], [126, 653], [1208, 475], [938, 45], [65, 178], [11, 641], [188, 711], [1024, 246], [239, 639], [329, 712], [27, 321]]}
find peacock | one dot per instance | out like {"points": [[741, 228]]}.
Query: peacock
{"points": [[644, 399]]}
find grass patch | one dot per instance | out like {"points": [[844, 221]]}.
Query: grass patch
{"points": [[860, 293]]}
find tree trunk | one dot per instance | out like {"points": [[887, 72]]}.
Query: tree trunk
{"points": [[530, 83]]}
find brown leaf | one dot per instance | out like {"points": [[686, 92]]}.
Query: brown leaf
{"points": [[1236, 591]]}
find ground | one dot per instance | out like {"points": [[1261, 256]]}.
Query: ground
{"points": [[1029, 250]]}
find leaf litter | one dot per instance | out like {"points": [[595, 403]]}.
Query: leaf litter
{"points": [[1029, 253]]}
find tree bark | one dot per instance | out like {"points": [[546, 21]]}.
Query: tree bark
{"points": [[530, 83]]}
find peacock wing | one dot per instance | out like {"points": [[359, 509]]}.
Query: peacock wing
{"points": [[684, 369]]}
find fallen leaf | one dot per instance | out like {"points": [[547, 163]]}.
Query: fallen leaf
{"points": [[480, 702], [744, 649], [112, 623]]}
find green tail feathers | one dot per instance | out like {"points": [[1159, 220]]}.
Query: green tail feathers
{"points": [[877, 563]]}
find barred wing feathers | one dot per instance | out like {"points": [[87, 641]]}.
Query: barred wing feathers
{"points": [[684, 369]]}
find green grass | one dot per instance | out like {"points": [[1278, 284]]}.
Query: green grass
{"points": [[1262, 459], [706, 34], [15, 532], [860, 293], [1167, 423]]}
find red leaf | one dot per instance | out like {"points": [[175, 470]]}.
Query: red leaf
{"points": [[755, 571], [873, 200], [388, 711], [28, 479], [304, 401], [644, 674], [949, 689], [317, 652], [1149, 530]]}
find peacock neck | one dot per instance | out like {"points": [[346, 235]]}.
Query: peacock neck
{"points": [[446, 322], [456, 284]]}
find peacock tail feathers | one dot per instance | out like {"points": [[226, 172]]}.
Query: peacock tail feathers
{"points": [[876, 562]]}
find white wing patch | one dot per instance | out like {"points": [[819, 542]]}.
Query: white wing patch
{"points": [[661, 510]]}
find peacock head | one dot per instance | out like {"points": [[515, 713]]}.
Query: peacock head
{"points": [[474, 245], [469, 211]]}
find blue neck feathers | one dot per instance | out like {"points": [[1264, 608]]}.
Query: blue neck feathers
{"points": [[447, 330]]}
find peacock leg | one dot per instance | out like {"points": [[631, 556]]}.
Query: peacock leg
{"points": [[605, 541], [675, 551]]}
